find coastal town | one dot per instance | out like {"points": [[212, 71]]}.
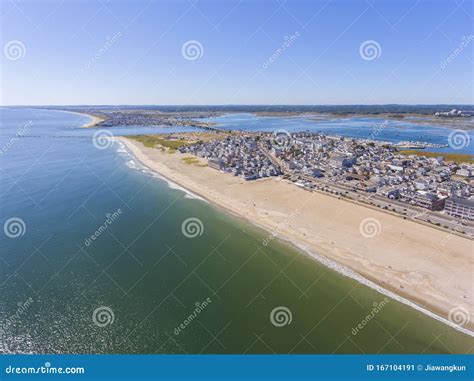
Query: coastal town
{"points": [[429, 189], [276, 190], [126, 116], [454, 113]]}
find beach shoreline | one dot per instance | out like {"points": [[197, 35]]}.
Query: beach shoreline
{"points": [[93, 122], [422, 281]]}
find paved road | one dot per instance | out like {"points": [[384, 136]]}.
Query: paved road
{"points": [[403, 209]]}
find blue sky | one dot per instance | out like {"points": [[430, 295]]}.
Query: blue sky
{"points": [[131, 52]]}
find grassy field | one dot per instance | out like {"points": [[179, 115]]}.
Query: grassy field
{"points": [[193, 161], [457, 157], [190, 160], [154, 140]]}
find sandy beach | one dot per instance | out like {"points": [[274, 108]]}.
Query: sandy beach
{"points": [[428, 267], [94, 121]]}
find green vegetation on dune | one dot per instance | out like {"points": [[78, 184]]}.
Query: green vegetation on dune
{"points": [[457, 157], [154, 140], [190, 160]]}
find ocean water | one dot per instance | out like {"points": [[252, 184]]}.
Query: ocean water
{"points": [[355, 127], [148, 282]]}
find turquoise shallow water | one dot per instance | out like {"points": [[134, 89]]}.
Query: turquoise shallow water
{"points": [[154, 290]]}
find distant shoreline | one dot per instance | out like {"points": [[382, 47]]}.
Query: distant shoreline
{"points": [[373, 271], [460, 123], [92, 123]]}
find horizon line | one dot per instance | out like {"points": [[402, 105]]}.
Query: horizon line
{"points": [[236, 104]]}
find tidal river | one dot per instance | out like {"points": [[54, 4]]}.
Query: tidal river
{"points": [[98, 255]]}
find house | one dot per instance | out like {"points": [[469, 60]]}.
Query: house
{"points": [[341, 162], [459, 207], [429, 201]]}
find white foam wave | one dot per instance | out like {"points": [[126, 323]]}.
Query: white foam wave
{"points": [[135, 164], [342, 269], [346, 271], [187, 194], [121, 148]]}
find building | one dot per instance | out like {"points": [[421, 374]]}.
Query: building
{"points": [[453, 113], [395, 168], [420, 185], [465, 172], [341, 162], [316, 172], [429, 201], [213, 163], [460, 208], [426, 200], [390, 192]]}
